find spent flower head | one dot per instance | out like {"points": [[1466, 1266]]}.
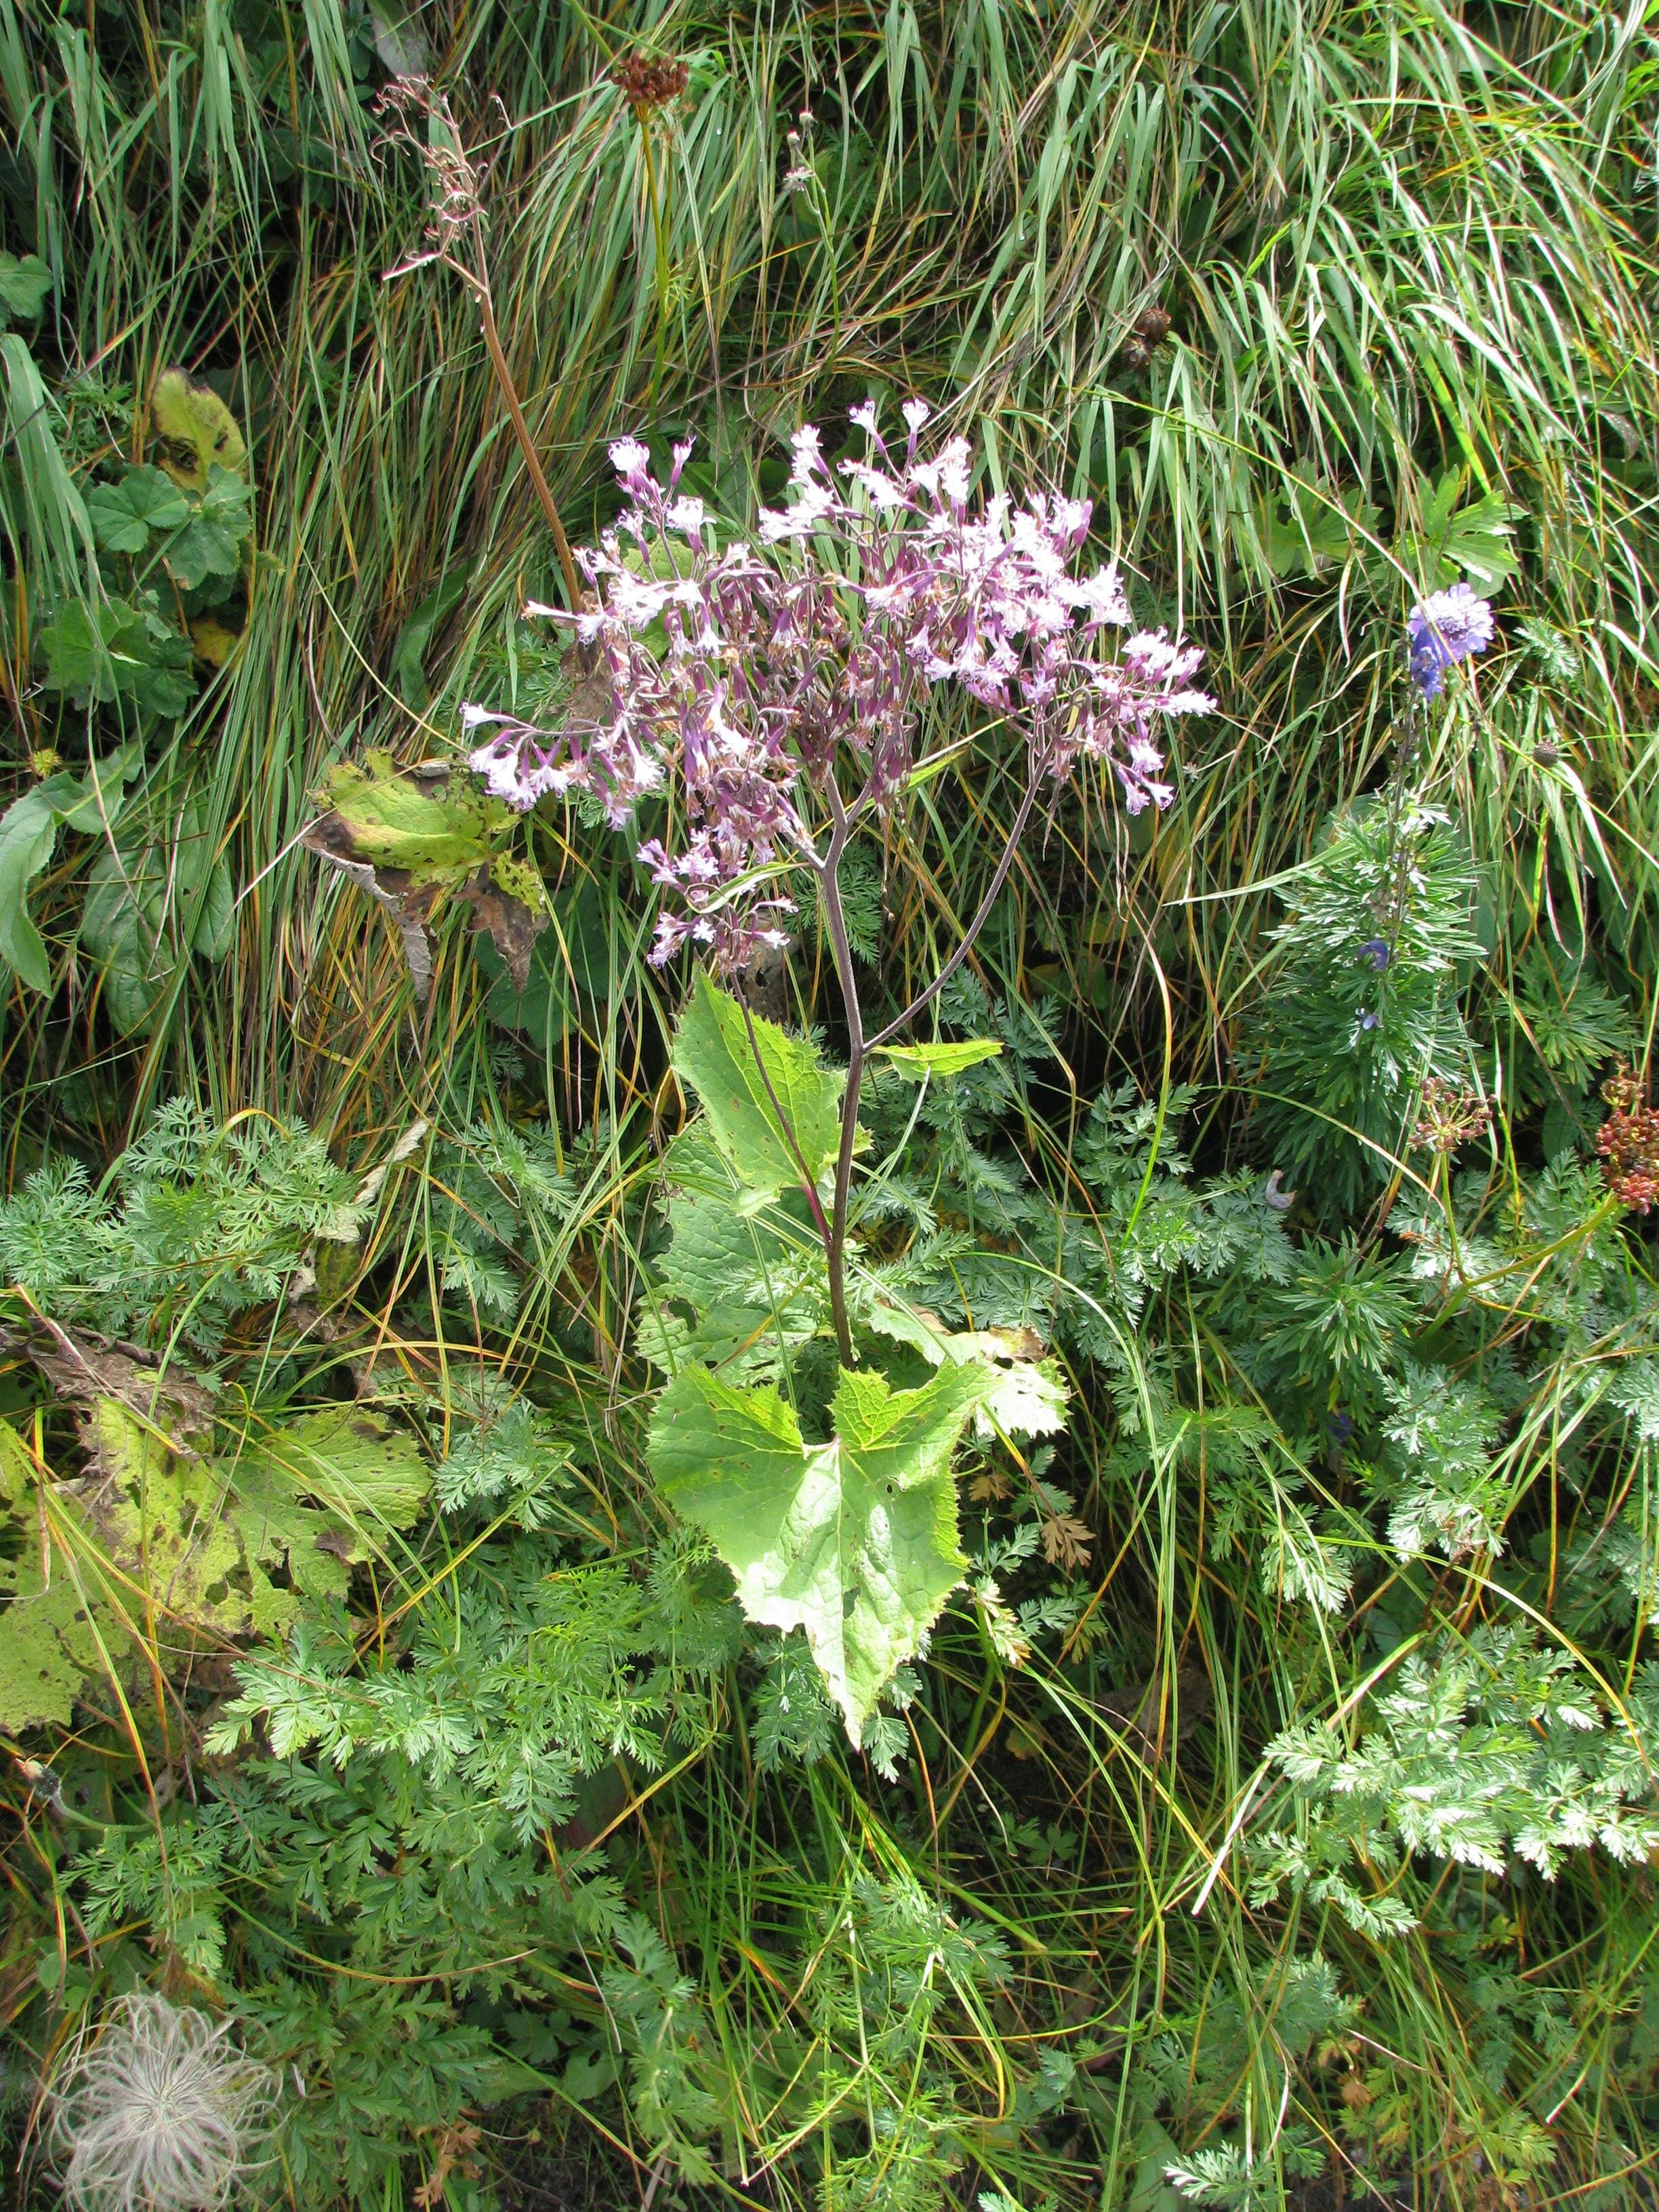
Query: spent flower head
{"points": [[159, 2111], [752, 671], [1628, 1142], [1449, 1117], [418, 119], [649, 82], [1442, 630]]}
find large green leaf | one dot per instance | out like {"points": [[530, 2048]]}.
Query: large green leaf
{"points": [[186, 1546], [1475, 540], [755, 1282], [774, 1112], [117, 651], [24, 287], [28, 833], [853, 1541], [155, 895], [367, 1473], [28, 837], [215, 525], [1305, 530]]}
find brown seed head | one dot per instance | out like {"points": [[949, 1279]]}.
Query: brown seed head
{"points": [[1449, 1117], [648, 83], [1628, 1141]]}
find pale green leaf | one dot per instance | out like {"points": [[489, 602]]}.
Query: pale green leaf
{"points": [[916, 1061], [28, 836], [47, 1646], [854, 1540], [1022, 1393], [350, 1460], [774, 1112]]}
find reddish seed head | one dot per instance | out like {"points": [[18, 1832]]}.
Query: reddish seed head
{"points": [[1628, 1142], [648, 83]]}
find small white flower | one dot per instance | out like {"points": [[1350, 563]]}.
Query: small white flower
{"points": [[159, 2111], [629, 457]]}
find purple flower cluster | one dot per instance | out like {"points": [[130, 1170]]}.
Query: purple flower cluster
{"points": [[1444, 629], [751, 670]]}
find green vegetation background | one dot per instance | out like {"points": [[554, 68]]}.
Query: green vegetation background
{"points": [[358, 1682]]}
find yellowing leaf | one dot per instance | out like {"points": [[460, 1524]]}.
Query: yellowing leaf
{"points": [[212, 642], [352, 1460], [434, 832], [916, 1061], [197, 430]]}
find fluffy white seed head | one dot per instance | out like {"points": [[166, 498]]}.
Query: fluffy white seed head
{"points": [[159, 2110]]}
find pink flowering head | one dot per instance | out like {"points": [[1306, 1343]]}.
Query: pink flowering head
{"points": [[743, 677]]}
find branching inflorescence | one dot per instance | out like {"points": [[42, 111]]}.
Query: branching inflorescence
{"points": [[760, 674], [755, 672]]}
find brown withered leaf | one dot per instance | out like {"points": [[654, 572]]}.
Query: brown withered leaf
{"points": [[407, 905], [1139, 1709], [1018, 1343], [1068, 1542], [81, 1369], [592, 702], [989, 1488], [454, 2150], [513, 928]]}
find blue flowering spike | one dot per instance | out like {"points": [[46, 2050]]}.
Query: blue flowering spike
{"points": [[1442, 630]]}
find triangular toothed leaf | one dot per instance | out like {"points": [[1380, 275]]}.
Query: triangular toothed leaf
{"points": [[853, 1541], [914, 1063], [772, 1110]]}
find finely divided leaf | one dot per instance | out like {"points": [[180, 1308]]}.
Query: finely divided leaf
{"points": [[853, 1541]]}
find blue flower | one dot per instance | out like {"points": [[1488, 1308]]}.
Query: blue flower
{"points": [[1376, 951], [1442, 630], [1367, 1021]]}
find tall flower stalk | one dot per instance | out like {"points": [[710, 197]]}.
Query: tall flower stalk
{"points": [[780, 683], [419, 119]]}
